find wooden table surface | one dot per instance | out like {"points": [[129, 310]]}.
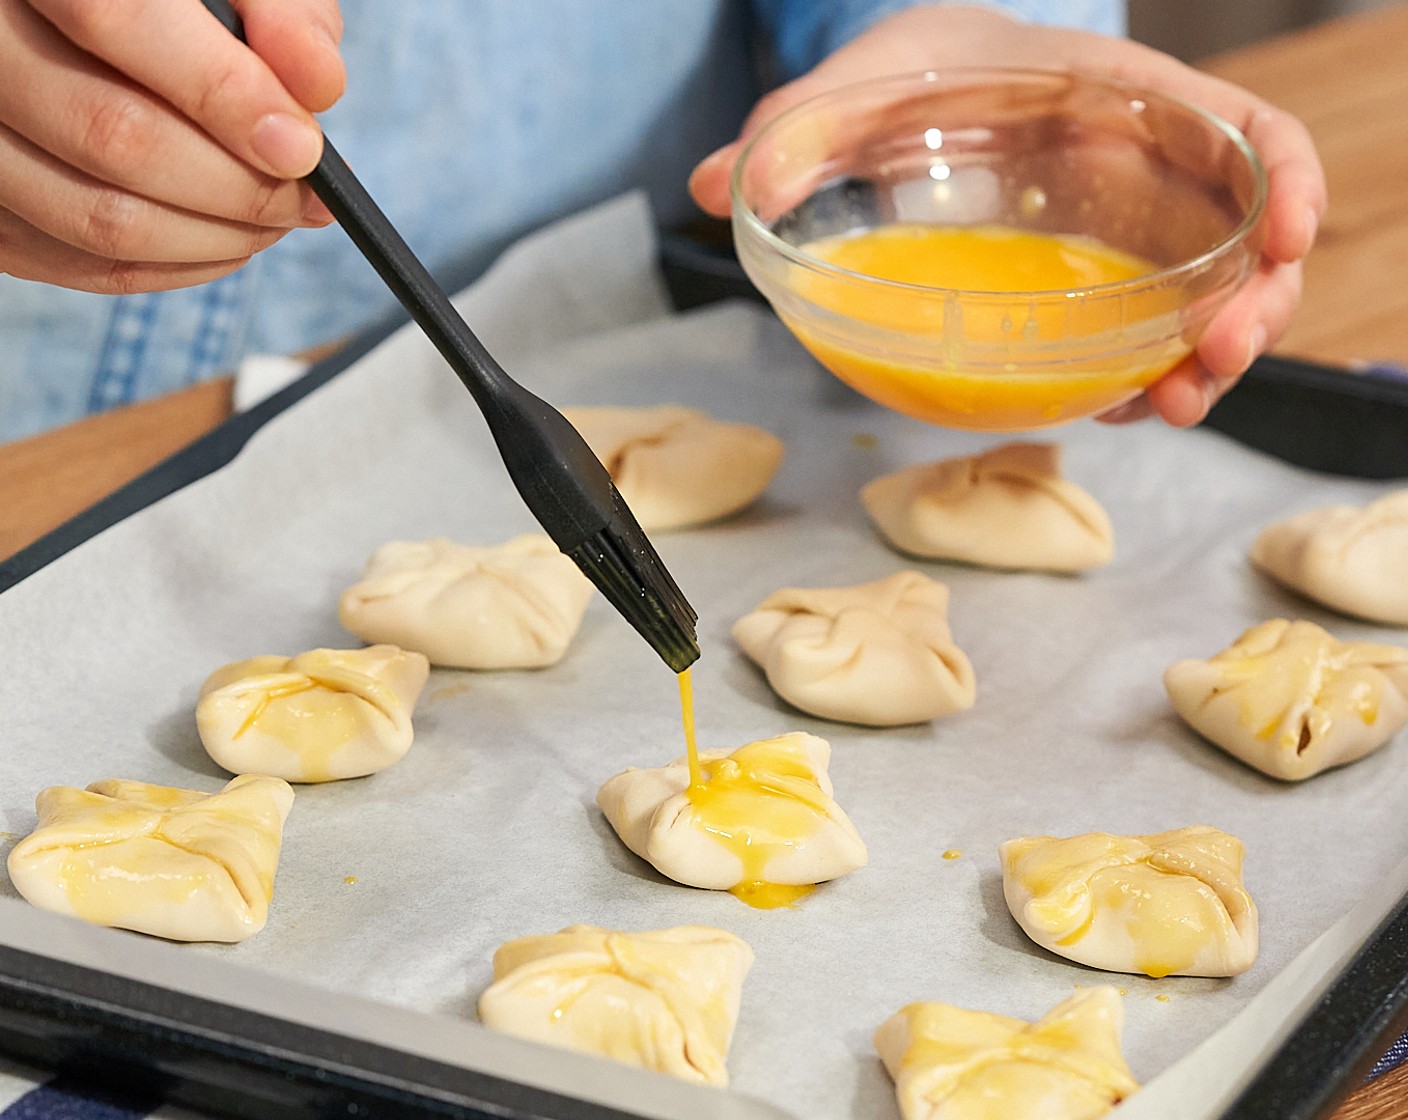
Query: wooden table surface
{"points": [[1347, 79]]}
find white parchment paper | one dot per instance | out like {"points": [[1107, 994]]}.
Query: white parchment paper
{"points": [[401, 885]]}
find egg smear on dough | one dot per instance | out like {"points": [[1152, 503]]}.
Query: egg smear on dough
{"points": [[759, 822]]}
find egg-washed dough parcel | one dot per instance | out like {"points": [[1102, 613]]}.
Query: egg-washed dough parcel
{"points": [[322, 716], [175, 863], [1167, 904], [1292, 700], [515, 605], [664, 999], [677, 467], [1008, 508], [879, 654], [764, 816], [949, 1063], [1350, 559]]}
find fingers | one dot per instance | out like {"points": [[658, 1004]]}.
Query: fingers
{"points": [[1183, 396], [1252, 321], [708, 182], [181, 53], [1296, 183], [111, 222], [298, 40], [1296, 197], [87, 116], [933, 37], [30, 254]]}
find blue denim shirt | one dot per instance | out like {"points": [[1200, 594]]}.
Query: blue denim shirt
{"points": [[471, 122]]}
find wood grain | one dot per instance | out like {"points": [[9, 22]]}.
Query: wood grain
{"points": [[1348, 81], [48, 478]]}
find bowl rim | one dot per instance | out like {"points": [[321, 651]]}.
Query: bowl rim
{"points": [[1255, 212]]}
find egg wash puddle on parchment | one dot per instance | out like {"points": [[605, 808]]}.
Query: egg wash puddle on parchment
{"points": [[756, 804]]}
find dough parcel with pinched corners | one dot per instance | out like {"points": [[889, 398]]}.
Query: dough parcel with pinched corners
{"points": [[1292, 700], [772, 799], [1351, 559], [1166, 904], [1009, 508], [677, 467], [663, 999], [322, 716], [949, 1063], [879, 654], [175, 863], [515, 605]]}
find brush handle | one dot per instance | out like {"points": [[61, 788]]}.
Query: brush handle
{"points": [[560, 479]]}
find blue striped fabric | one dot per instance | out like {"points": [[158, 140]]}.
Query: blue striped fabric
{"points": [[66, 1099]]}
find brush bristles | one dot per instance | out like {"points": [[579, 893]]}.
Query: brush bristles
{"points": [[624, 565]]}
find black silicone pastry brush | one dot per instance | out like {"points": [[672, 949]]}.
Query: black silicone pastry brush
{"points": [[563, 483]]}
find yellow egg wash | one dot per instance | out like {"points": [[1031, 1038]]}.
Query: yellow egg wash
{"points": [[954, 853], [153, 869], [152, 873], [1170, 905], [696, 776], [758, 802], [1169, 917], [1010, 1068], [1274, 685], [931, 1037], [311, 720], [601, 1016], [1027, 378]]}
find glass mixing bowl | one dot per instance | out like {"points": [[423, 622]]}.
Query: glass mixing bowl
{"points": [[1020, 161]]}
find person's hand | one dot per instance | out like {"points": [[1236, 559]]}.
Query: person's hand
{"points": [[933, 37], [143, 147]]}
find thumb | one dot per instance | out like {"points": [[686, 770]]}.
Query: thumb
{"points": [[708, 182]]}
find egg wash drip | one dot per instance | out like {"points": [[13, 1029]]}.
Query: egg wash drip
{"points": [[757, 804], [1030, 376], [324, 718], [1273, 684], [155, 869]]}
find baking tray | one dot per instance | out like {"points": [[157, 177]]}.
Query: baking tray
{"points": [[216, 1038]]}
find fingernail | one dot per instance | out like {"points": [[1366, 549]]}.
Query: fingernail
{"points": [[710, 164], [1312, 227], [1256, 343], [715, 158], [1134, 409], [327, 41], [1211, 392], [288, 146], [315, 212]]}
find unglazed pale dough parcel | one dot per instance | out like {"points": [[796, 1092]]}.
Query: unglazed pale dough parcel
{"points": [[515, 605], [949, 1063], [1006, 508], [318, 717], [1168, 904], [878, 653], [1350, 558], [678, 466], [664, 999], [1292, 700], [174, 863], [766, 815]]}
